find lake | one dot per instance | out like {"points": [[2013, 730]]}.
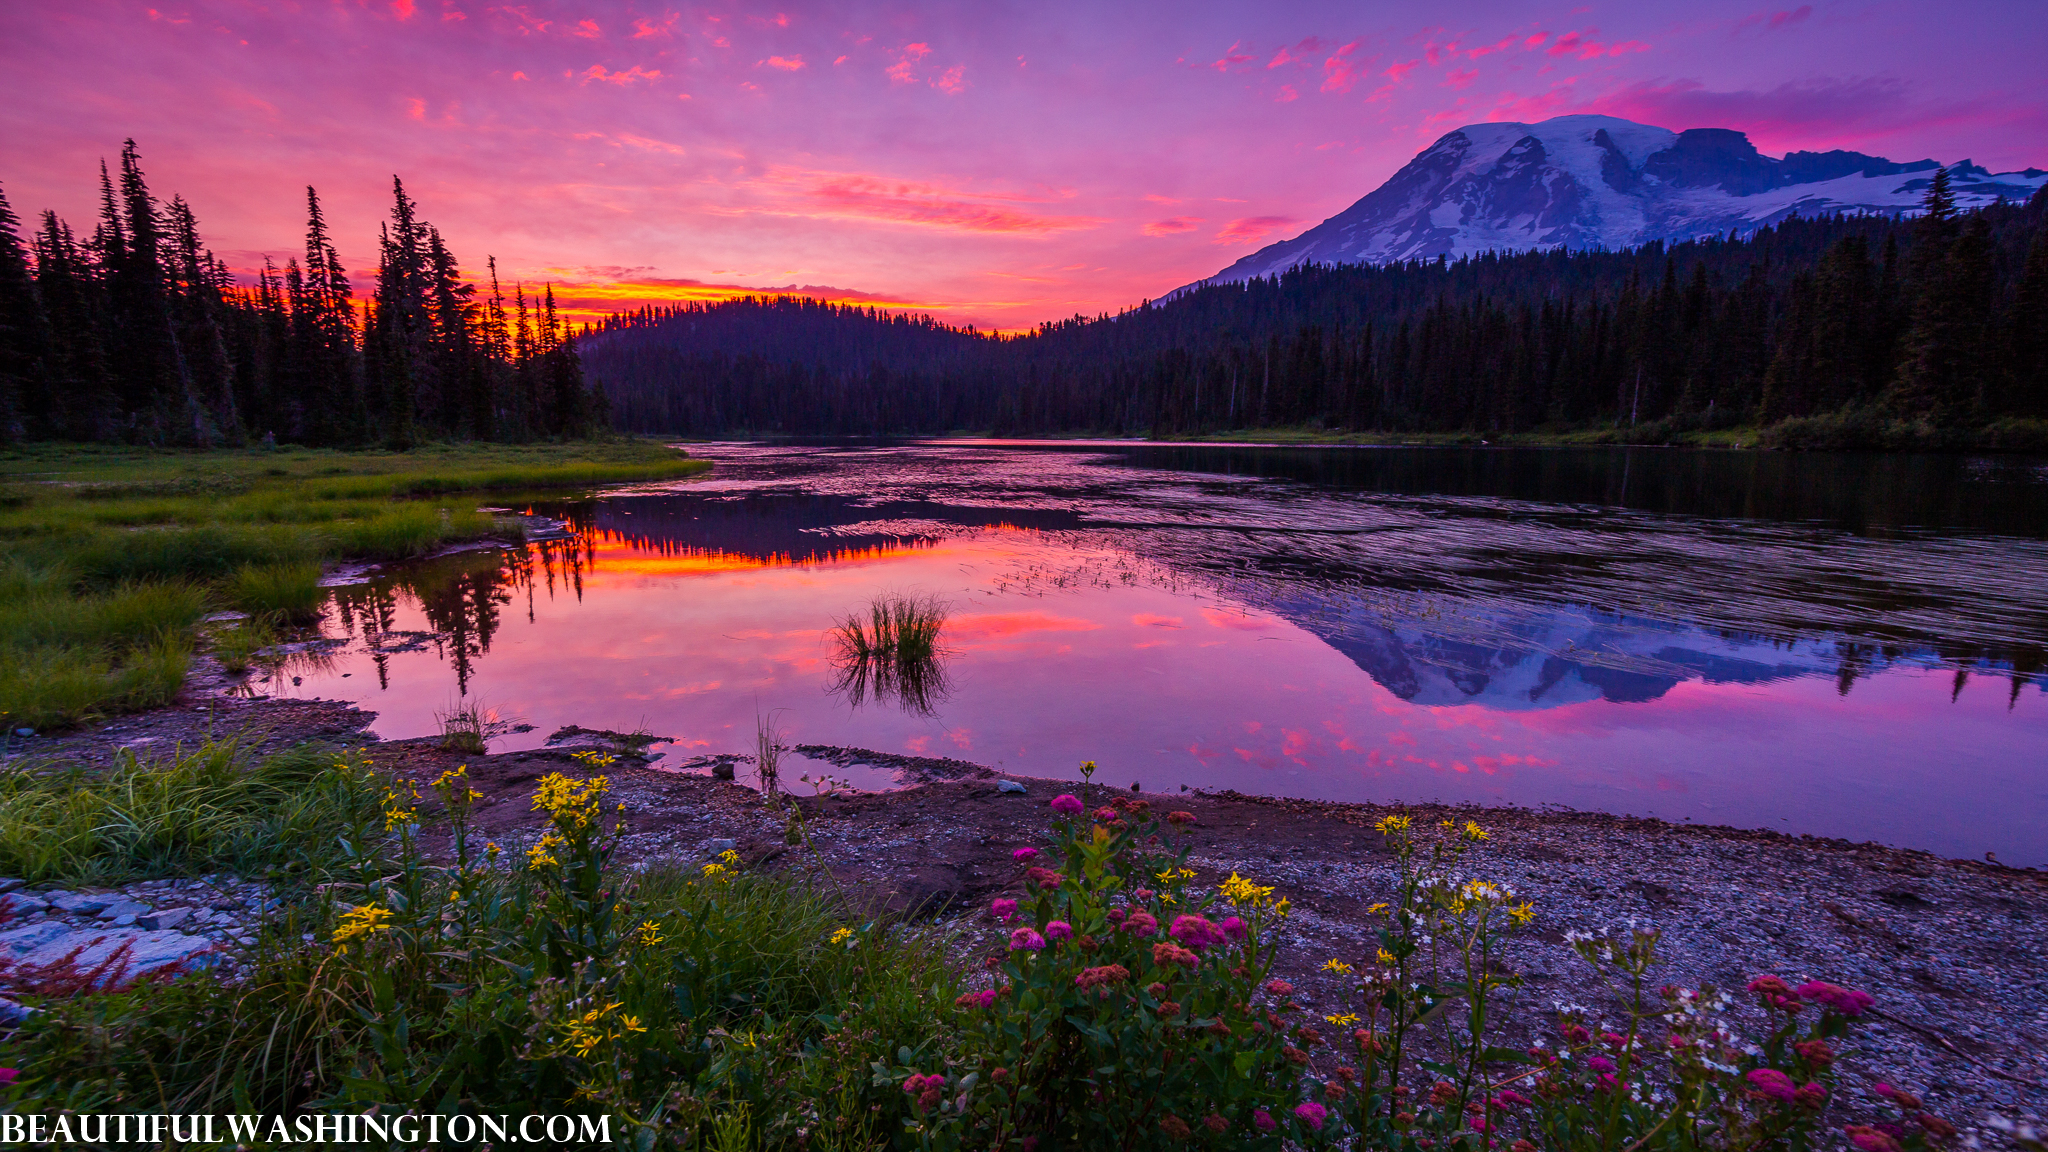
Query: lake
{"points": [[1843, 645]]}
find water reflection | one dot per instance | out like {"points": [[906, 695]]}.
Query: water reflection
{"points": [[1272, 622], [893, 651]]}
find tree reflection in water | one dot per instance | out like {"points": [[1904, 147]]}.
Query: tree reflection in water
{"points": [[894, 653]]}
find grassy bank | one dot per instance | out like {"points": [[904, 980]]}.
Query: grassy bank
{"points": [[1844, 432], [114, 555]]}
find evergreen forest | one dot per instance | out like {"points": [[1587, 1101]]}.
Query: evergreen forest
{"points": [[138, 334], [1842, 331]]}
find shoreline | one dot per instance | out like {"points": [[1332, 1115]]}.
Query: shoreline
{"points": [[1956, 951]]}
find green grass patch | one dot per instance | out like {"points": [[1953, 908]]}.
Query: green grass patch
{"points": [[209, 808], [111, 550]]}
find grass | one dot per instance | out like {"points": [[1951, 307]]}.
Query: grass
{"points": [[212, 807], [894, 651], [468, 726], [114, 554]]}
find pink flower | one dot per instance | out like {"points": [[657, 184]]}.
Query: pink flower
{"points": [[1479, 1124], [1195, 931], [1067, 804], [1043, 877], [1233, 927], [1607, 1082], [1509, 1098], [1022, 854], [980, 999], [7, 1075], [1059, 930], [1773, 1083], [1600, 1064], [1847, 1001], [1026, 940], [1870, 1139], [1279, 987], [1107, 974], [1143, 894], [1263, 1120], [1311, 1113], [1140, 924], [1003, 909], [1105, 814]]}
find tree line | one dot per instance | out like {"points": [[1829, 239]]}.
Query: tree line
{"points": [[1936, 322], [138, 333]]}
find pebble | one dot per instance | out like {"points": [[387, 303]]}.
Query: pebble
{"points": [[1010, 786]]}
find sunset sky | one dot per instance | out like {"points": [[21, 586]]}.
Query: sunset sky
{"points": [[999, 164]]}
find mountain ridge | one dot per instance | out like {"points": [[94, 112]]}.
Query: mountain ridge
{"points": [[1586, 182]]}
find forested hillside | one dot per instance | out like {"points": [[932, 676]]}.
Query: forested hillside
{"points": [[1832, 328], [137, 333]]}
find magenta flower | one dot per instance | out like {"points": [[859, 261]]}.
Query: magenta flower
{"points": [[1105, 814], [1043, 877], [1509, 1098], [1600, 1064], [1141, 924], [1058, 930], [7, 1075], [1025, 939], [981, 999], [1479, 1124], [1196, 932], [1067, 804], [1870, 1139], [1023, 854], [1847, 1001], [1279, 987], [1003, 909], [1773, 1083], [1311, 1113], [1233, 927], [1263, 1120]]}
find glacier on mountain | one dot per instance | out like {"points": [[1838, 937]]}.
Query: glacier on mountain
{"points": [[1601, 182]]}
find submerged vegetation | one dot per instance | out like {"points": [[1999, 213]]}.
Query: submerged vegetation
{"points": [[114, 556], [893, 652], [1132, 1006]]}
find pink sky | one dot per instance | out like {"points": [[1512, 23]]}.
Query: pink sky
{"points": [[1000, 164]]}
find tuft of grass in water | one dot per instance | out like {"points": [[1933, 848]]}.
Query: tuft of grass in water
{"points": [[193, 811], [289, 593], [237, 648], [468, 726], [894, 651], [53, 687]]}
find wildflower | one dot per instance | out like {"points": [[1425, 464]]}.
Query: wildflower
{"points": [[1869, 1139], [1003, 910], [1164, 953], [1023, 854], [1215, 1123], [925, 1090], [491, 849], [1384, 958], [1067, 804], [1263, 1120], [842, 935], [1026, 940], [981, 999], [1811, 1095], [1936, 1127], [1905, 1100], [1058, 930], [360, 920], [1106, 974], [650, 933], [1239, 890], [1233, 927], [1283, 907], [1043, 877], [1169, 1008], [1140, 924], [716, 871], [1311, 1113], [542, 855], [1195, 931], [1175, 1127], [1180, 819], [1600, 1064], [1509, 1098], [1846, 1001], [8, 1075], [1479, 1124], [1335, 965], [1523, 913], [1815, 1052], [1773, 1083], [1375, 909], [1345, 1020], [1473, 831], [1187, 873], [1107, 815], [1391, 824], [1279, 987]]}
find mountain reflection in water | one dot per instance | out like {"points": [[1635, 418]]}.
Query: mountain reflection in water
{"points": [[1533, 633]]}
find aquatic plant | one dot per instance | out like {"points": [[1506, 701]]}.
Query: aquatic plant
{"points": [[287, 593], [468, 725], [893, 652]]}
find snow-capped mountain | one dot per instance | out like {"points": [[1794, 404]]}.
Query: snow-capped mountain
{"points": [[1603, 182]]}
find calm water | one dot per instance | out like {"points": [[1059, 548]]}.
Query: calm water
{"points": [[1849, 646]]}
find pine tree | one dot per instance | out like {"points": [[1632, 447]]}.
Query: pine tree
{"points": [[24, 330], [2026, 342]]}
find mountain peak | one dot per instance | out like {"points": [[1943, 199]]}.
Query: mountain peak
{"points": [[1589, 181]]}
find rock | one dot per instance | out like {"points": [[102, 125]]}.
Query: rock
{"points": [[22, 941], [164, 918], [21, 904], [715, 847], [120, 908], [723, 770], [12, 1012], [50, 941], [80, 903], [9, 884], [125, 920], [1010, 786], [24, 731]]}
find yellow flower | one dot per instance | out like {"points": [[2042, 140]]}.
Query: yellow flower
{"points": [[716, 871], [1239, 890], [1523, 913], [1164, 876], [454, 895], [631, 1024], [1345, 1020], [1385, 959], [1389, 825], [360, 920], [491, 849], [842, 936], [1187, 873], [1335, 965], [542, 855], [1376, 909], [650, 933], [729, 856], [1474, 831], [1283, 907]]}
